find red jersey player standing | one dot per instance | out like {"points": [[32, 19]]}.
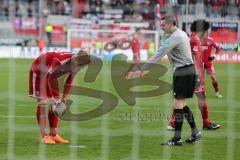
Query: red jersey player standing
{"points": [[43, 85], [197, 28], [135, 45], [207, 45]]}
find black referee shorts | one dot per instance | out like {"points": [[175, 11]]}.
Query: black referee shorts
{"points": [[184, 80]]}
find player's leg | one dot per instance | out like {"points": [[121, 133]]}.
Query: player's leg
{"points": [[190, 82], [183, 86], [215, 85], [136, 63], [196, 135], [211, 72], [34, 91], [171, 126], [203, 106], [53, 124], [53, 91], [41, 118], [178, 118], [129, 69], [180, 113]]}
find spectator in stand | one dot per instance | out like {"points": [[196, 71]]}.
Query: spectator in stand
{"points": [[207, 7], [17, 8], [162, 5], [182, 4], [6, 11], [174, 6], [157, 16], [78, 9], [217, 7], [191, 6], [117, 3], [96, 6], [41, 45], [237, 2], [232, 8], [48, 30]]}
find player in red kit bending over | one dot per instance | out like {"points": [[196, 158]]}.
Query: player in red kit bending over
{"points": [[207, 45], [43, 85]]}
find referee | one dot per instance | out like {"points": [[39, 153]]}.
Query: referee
{"points": [[177, 48]]}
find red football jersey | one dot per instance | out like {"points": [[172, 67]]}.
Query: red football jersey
{"points": [[135, 43], [198, 57], [45, 64], [207, 45], [49, 60], [195, 47]]}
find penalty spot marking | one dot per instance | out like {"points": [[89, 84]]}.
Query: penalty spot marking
{"points": [[77, 146]]}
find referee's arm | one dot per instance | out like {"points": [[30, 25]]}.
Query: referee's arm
{"points": [[164, 48]]}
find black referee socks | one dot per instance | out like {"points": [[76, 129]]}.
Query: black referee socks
{"points": [[189, 117], [178, 118]]}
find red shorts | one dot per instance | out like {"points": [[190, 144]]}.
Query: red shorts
{"points": [[40, 88], [136, 58], [209, 69], [200, 86]]}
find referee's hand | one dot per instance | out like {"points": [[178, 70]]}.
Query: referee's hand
{"points": [[135, 74]]}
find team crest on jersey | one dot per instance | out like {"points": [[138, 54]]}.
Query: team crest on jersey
{"points": [[166, 42], [195, 48]]}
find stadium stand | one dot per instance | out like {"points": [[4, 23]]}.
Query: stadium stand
{"points": [[29, 17]]}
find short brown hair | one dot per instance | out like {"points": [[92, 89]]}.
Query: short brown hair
{"points": [[170, 19]]}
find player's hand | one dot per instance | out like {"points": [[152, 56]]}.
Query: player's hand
{"points": [[135, 74], [54, 101], [211, 58], [64, 99]]}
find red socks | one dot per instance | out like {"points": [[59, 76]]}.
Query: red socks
{"points": [[202, 104], [215, 85], [41, 118], [53, 123], [171, 121]]}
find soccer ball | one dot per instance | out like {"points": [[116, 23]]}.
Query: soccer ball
{"points": [[60, 109]]}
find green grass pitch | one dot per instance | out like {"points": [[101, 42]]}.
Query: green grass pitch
{"points": [[116, 135]]}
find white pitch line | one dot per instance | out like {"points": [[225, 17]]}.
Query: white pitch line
{"points": [[77, 146], [105, 122], [166, 150], [140, 110], [118, 119], [230, 127], [11, 110], [11, 116]]}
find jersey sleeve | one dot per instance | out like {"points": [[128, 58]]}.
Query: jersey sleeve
{"points": [[166, 46], [68, 82], [216, 46]]}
